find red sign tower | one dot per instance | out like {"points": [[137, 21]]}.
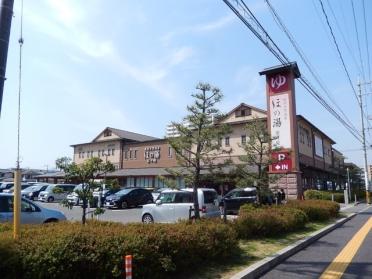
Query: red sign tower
{"points": [[282, 125]]}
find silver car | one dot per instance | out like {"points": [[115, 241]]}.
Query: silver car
{"points": [[50, 194], [31, 213]]}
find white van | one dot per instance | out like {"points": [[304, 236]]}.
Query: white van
{"points": [[51, 194], [174, 205]]}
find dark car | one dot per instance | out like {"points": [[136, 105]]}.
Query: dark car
{"points": [[128, 197], [237, 197], [104, 194], [6, 185], [33, 192]]}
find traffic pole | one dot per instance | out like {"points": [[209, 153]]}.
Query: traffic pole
{"points": [[128, 266]]}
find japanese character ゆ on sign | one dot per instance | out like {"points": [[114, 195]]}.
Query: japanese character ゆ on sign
{"points": [[279, 83]]}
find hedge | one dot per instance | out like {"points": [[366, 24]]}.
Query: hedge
{"points": [[70, 250], [324, 195], [316, 210], [268, 221]]}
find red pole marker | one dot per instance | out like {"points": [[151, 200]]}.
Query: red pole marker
{"points": [[128, 266]]}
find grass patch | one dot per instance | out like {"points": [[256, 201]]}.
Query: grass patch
{"points": [[251, 251]]}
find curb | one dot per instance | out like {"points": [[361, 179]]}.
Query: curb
{"points": [[263, 266]]}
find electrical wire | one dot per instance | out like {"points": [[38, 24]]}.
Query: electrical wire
{"points": [[265, 38], [302, 55]]}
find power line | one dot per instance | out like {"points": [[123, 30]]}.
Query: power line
{"points": [[344, 38], [366, 36], [338, 50], [302, 55], [257, 29], [357, 36]]}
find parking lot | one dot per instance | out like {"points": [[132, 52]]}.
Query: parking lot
{"points": [[116, 215]]}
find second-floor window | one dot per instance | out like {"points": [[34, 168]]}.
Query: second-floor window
{"points": [[169, 152], [227, 141], [244, 139]]}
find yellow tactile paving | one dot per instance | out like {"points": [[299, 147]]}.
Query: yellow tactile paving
{"points": [[337, 268]]}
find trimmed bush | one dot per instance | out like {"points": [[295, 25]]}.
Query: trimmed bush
{"points": [[70, 250], [324, 195], [316, 210], [268, 221]]}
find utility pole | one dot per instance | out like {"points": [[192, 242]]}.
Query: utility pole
{"points": [[364, 142], [348, 182], [6, 14]]}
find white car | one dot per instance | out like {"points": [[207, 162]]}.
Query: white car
{"points": [[50, 194], [174, 205], [31, 213]]}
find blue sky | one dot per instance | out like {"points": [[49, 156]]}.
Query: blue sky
{"points": [[132, 65]]}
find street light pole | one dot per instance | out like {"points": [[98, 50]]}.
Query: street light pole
{"points": [[364, 143], [348, 182]]}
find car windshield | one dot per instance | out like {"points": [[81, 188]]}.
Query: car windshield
{"points": [[33, 188], [3, 185], [50, 187], [123, 192]]}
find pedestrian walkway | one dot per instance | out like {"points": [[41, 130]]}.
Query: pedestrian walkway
{"points": [[333, 252]]}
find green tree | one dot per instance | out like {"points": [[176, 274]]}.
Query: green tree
{"points": [[198, 144], [86, 174], [257, 158]]}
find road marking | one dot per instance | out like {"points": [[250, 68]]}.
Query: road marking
{"points": [[337, 268]]}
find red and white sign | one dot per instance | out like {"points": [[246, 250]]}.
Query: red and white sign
{"points": [[282, 162], [279, 83]]}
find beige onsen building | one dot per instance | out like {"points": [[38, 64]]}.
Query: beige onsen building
{"points": [[140, 159]]}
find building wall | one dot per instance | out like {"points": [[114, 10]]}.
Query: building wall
{"points": [[110, 148], [305, 139], [253, 114], [157, 155]]}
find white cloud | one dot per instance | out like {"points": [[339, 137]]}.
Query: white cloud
{"points": [[199, 28]]}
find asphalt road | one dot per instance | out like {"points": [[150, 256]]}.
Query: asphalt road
{"points": [[115, 215], [313, 260]]}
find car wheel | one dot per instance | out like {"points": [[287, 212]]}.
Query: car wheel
{"points": [[50, 199], [124, 205], [147, 219]]}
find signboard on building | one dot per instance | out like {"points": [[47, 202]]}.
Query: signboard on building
{"points": [[152, 154], [280, 121], [282, 162]]}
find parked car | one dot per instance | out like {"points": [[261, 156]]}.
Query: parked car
{"points": [[237, 197], [31, 213], [11, 190], [128, 197], [174, 205], [6, 185], [73, 197], [33, 191], [155, 194], [51, 194], [104, 194]]}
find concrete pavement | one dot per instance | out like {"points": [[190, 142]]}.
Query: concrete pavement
{"points": [[312, 261]]}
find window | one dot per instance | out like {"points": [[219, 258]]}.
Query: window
{"points": [[112, 151], [227, 141], [169, 152], [167, 197], [107, 133], [135, 154], [79, 154], [220, 141], [126, 155], [183, 197], [130, 154], [82, 154], [99, 153], [209, 196], [244, 139]]}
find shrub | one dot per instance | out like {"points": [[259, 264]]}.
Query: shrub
{"points": [[268, 221], [324, 195], [316, 210], [70, 250]]}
